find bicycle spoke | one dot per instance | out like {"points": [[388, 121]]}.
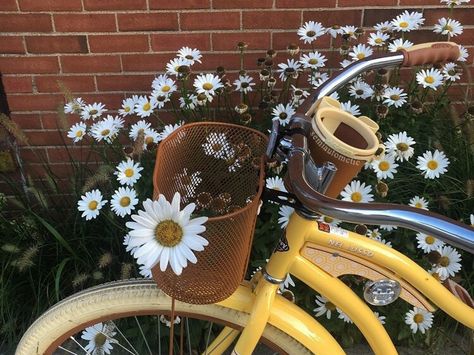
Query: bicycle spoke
{"points": [[189, 335], [125, 338], [159, 335], [143, 335], [66, 350], [209, 336], [79, 344]]}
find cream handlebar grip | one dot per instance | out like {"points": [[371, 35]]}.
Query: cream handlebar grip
{"points": [[430, 53]]}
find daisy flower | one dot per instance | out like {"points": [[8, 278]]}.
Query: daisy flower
{"points": [[163, 86], [450, 73], [378, 39], [275, 183], [343, 316], [187, 184], [345, 63], [144, 106], [463, 54], [100, 337], [105, 130], [298, 95], [360, 52], [449, 263], [385, 167], [352, 109], [329, 220], [407, 22], [289, 69], [90, 204], [167, 235], [189, 102], [361, 90], [399, 144], [430, 78], [428, 243], [168, 129], [432, 165], [92, 111], [394, 96], [164, 319], [334, 31], [399, 44], [350, 31], [380, 318], [283, 113], [313, 60], [127, 107], [310, 31], [325, 307], [335, 95], [388, 227], [357, 192], [138, 128], [449, 27], [285, 285], [418, 202], [145, 272], [128, 172], [207, 84], [454, 2], [384, 26], [244, 84], [190, 55], [174, 64], [285, 213], [217, 146], [123, 201], [77, 132], [74, 106], [419, 320]]}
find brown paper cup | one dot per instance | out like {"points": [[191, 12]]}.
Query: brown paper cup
{"points": [[344, 140]]}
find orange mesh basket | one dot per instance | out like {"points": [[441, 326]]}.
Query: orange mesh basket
{"points": [[220, 168]]}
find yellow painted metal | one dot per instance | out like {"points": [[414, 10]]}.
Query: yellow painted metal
{"points": [[382, 255], [289, 318], [222, 341]]}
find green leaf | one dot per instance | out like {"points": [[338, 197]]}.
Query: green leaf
{"points": [[55, 234], [57, 277]]}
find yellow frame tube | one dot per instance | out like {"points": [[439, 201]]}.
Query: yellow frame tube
{"points": [[222, 341]]}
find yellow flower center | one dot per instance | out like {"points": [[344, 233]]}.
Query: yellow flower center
{"points": [[418, 205], [356, 196], [168, 233], [207, 86], [403, 24], [128, 172], [360, 56], [378, 40], [430, 239], [93, 205], [384, 165], [432, 164], [125, 201], [93, 112], [147, 107], [148, 140], [79, 134], [105, 132], [448, 28], [328, 219], [444, 261], [127, 109], [418, 318], [100, 340], [330, 306], [313, 61], [166, 88], [395, 97], [403, 147], [216, 147], [429, 79]]}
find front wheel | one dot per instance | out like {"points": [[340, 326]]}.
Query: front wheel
{"points": [[133, 317]]}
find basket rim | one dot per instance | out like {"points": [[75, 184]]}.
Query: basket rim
{"points": [[261, 178]]}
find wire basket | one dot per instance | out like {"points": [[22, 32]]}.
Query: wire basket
{"points": [[220, 168]]}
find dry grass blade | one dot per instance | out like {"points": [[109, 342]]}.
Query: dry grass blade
{"points": [[102, 175], [13, 129]]}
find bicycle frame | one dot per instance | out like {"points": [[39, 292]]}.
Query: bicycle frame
{"points": [[303, 236]]}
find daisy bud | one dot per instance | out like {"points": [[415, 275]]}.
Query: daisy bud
{"points": [[263, 105], [379, 136], [416, 107], [264, 74], [433, 257], [271, 53], [201, 99], [271, 83], [359, 32], [290, 296], [382, 189], [383, 76], [272, 163], [260, 61], [241, 46], [360, 229], [241, 108], [382, 111], [220, 71], [380, 150], [242, 72], [344, 50], [345, 37], [203, 200], [293, 49], [269, 63], [183, 72]]}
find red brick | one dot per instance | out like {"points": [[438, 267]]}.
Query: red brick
{"points": [[111, 101], [179, 5], [36, 155], [272, 19], [17, 84], [8, 5], [25, 23], [419, 2], [33, 65], [145, 62], [50, 5], [421, 36], [11, 44], [51, 120], [174, 41], [148, 22], [466, 38], [228, 41], [74, 83], [462, 15], [282, 39], [34, 102], [212, 61], [124, 82], [118, 43], [84, 22], [90, 64], [242, 4], [210, 21], [374, 16], [61, 154], [115, 4], [26, 120], [309, 4], [56, 44], [59, 170], [334, 17], [365, 3]]}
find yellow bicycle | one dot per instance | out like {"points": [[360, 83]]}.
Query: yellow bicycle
{"points": [[314, 252]]}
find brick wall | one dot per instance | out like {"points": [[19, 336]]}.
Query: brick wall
{"points": [[105, 49]]}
